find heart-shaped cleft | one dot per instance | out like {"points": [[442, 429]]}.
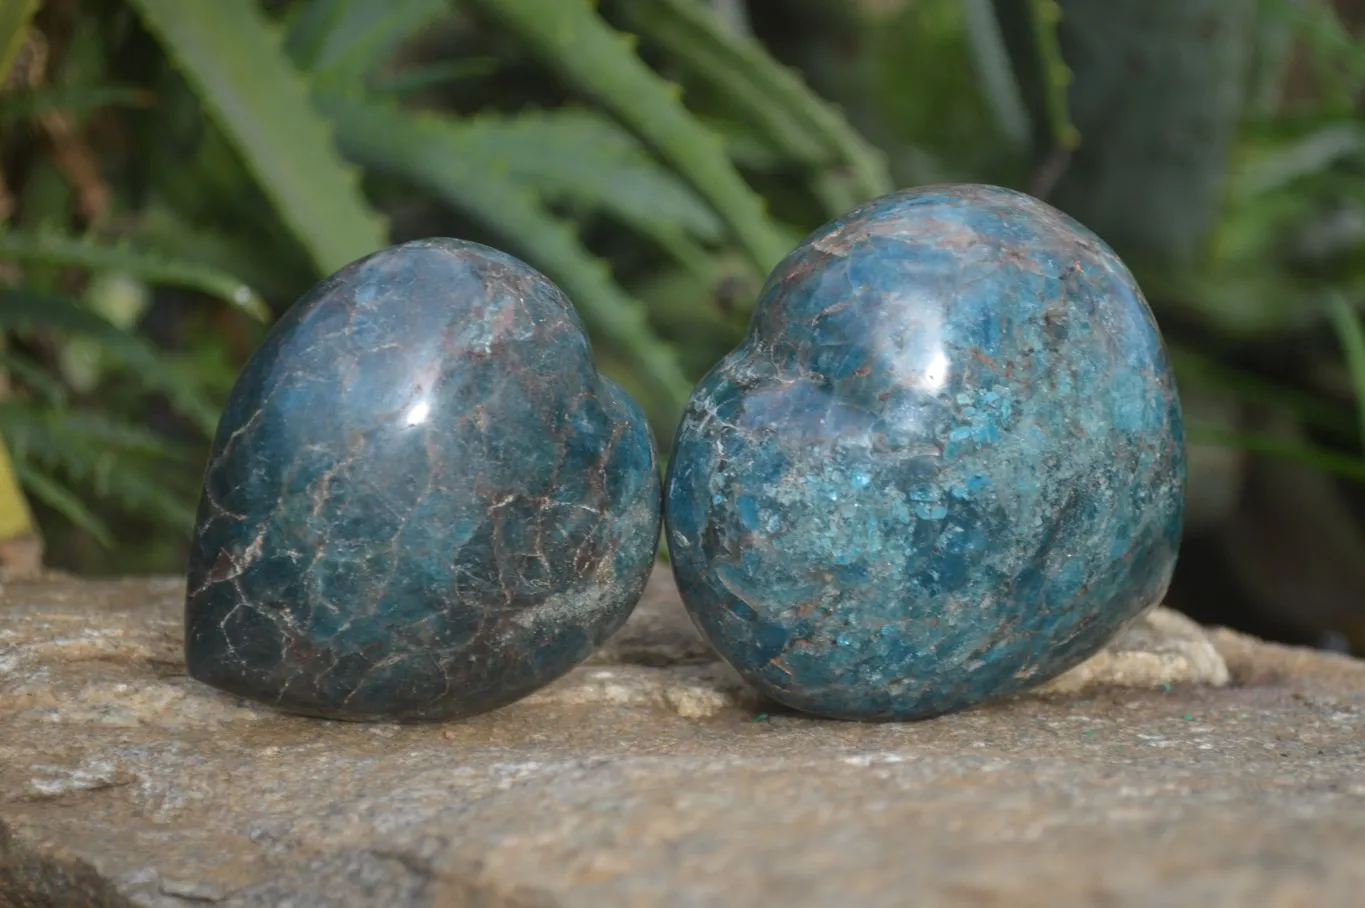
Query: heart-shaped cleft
{"points": [[422, 502], [947, 463]]}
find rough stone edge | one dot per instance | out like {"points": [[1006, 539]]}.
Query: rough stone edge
{"points": [[1252, 661], [39, 874], [1183, 654]]}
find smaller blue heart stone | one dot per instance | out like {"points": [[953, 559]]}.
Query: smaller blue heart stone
{"points": [[946, 464], [422, 501]]}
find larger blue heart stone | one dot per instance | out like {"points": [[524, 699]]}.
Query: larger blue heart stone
{"points": [[947, 463], [422, 501]]}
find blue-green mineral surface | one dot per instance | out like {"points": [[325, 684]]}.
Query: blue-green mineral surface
{"points": [[947, 462], [422, 501]]}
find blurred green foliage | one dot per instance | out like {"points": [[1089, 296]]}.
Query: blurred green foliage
{"points": [[177, 172]]}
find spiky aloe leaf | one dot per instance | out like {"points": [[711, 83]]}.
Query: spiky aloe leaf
{"points": [[566, 155], [114, 461], [1203, 373], [38, 379], [793, 117], [154, 268], [414, 78], [25, 310], [1336, 56], [1324, 460], [232, 57], [585, 158], [430, 152], [341, 41], [71, 98], [1156, 91], [572, 38], [999, 85], [47, 490], [1055, 75]]}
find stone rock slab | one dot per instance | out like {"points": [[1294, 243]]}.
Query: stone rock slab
{"points": [[1178, 767]]}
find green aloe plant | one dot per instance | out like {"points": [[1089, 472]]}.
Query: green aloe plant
{"points": [[655, 159], [282, 145]]}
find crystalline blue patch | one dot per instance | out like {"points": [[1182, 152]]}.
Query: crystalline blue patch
{"points": [[951, 463]]}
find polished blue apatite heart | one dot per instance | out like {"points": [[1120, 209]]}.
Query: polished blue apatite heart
{"points": [[946, 464], [422, 502]]}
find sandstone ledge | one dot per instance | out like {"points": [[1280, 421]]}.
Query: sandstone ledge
{"points": [[653, 777]]}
